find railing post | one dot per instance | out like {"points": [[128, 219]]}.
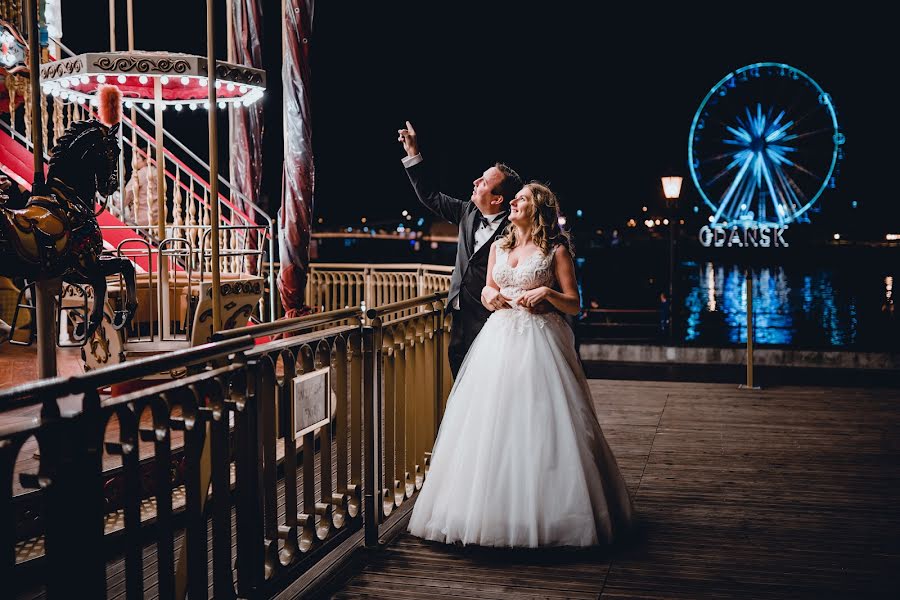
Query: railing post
{"points": [[74, 506], [371, 430], [248, 507]]}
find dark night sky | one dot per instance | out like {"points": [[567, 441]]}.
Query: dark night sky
{"points": [[595, 101]]}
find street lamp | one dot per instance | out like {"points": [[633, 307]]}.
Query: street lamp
{"points": [[671, 189]]}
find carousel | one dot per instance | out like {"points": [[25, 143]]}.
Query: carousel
{"points": [[133, 268]]}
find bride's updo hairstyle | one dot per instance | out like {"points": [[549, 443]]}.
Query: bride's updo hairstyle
{"points": [[546, 232]]}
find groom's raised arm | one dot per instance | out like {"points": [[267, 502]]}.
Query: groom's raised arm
{"points": [[424, 181]]}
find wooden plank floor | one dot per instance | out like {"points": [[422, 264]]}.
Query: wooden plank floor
{"points": [[779, 493]]}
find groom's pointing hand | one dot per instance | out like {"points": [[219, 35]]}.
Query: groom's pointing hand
{"points": [[407, 137]]}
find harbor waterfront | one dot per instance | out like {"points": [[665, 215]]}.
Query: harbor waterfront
{"points": [[842, 300]]}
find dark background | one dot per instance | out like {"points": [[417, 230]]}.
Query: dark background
{"points": [[596, 100]]}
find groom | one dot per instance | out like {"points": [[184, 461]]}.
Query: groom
{"points": [[480, 221]]}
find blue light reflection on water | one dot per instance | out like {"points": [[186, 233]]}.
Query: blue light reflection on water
{"points": [[715, 306]]}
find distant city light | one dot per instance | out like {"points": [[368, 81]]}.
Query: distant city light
{"points": [[710, 218], [321, 220], [409, 217], [665, 221], [649, 222], [421, 221], [837, 236], [681, 221], [656, 221], [579, 213], [363, 220], [366, 229], [405, 212], [854, 204], [892, 237], [644, 208], [562, 221], [696, 209], [631, 223], [349, 229]]}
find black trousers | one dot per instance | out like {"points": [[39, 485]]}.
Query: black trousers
{"points": [[466, 326]]}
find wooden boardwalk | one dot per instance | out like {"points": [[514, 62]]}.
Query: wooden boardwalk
{"points": [[781, 493]]}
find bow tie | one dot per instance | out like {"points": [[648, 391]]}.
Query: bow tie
{"points": [[482, 221]]}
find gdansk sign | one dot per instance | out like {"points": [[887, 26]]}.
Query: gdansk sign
{"points": [[753, 236]]}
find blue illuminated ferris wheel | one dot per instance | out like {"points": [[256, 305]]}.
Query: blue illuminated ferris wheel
{"points": [[763, 146]]}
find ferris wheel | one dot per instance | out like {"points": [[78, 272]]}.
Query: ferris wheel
{"points": [[763, 146]]}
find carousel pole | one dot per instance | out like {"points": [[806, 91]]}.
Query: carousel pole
{"points": [[44, 301], [163, 284], [213, 166], [112, 25]]}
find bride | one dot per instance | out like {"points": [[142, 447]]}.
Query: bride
{"points": [[520, 459]]}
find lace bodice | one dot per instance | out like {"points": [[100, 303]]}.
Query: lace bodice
{"points": [[531, 272]]}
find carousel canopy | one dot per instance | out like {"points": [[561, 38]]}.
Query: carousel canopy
{"points": [[183, 79]]}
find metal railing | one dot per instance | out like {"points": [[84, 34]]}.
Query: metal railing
{"points": [[263, 423]]}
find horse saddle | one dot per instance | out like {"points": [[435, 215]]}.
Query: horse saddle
{"points": [[34, 227]]}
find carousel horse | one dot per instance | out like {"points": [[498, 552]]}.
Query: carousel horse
{"points": [[57, 235]]}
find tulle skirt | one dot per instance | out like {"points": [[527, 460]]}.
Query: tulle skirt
{"points": [[520, 459]]}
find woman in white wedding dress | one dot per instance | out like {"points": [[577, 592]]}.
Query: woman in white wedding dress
{"points": [[520, 459]]}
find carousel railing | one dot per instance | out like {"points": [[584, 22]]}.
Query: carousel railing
{"points": [[312, 440]]}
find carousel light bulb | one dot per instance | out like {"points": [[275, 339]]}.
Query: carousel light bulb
{"points": [[177, 108], [206, 105], [193, 106], [218, 83], [47, 88], [164, 80], [81, 100], [203, 82], [64, 95], [84, 79], [247, 103], [73, 80], [64, 82], [230, 87], [129, 104], [243, 89], [101, 78], [121, 79], [95, 102], [185, 80], [55, 93], [145, 106], [162, 106], [221, 104], [143, 79]]}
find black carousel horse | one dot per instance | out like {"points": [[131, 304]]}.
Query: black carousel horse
{"points": [[56, 235]]}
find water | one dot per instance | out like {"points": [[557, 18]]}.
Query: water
{"points": [[813, 307], [812, 300]]}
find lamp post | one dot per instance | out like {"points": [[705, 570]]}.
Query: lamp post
{"points": [[672, 189]]}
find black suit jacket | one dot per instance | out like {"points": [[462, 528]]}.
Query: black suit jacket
{"points": [[470, 271]]}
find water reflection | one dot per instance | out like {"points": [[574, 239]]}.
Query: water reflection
{"points": [[814, 313]]}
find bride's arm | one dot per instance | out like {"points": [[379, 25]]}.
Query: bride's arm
{"points": [[491, 298], [567, 299]]}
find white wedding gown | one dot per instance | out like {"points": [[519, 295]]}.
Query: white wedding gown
{"points": [[520, 460]]}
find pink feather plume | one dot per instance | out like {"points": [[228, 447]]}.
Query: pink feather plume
{"points": [[110, 99]]}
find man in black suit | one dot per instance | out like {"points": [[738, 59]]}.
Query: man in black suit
{"points": [[480, 219]]}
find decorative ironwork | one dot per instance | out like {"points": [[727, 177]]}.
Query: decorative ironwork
{"points": [[126, 64], [61, 68]]}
